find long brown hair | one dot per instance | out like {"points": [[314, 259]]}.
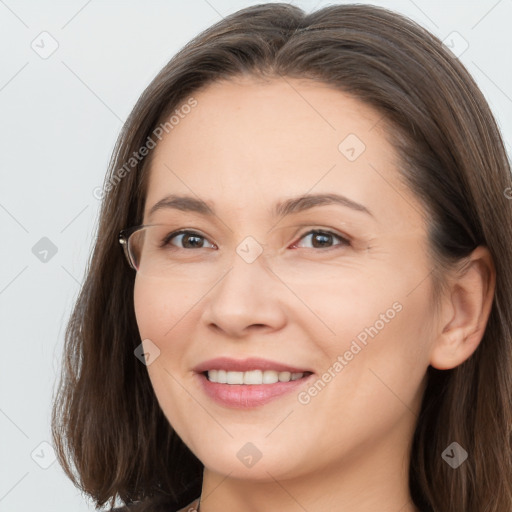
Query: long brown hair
{"points": [[111, 436]]}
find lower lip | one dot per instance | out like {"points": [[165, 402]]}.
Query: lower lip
{"points": [[245, 396]]}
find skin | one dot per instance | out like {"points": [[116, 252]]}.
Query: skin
{"points": [[246, 146]]}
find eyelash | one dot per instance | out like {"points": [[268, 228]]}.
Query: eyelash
{"points": [[345, 241]]}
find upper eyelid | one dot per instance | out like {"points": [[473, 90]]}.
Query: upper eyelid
{"points": [[187, 231], [344, 238]]}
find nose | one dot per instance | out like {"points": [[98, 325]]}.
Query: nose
{"points": [[248, 297]]}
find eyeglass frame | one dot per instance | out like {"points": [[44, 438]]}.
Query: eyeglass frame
{"points": [[123, 238]]}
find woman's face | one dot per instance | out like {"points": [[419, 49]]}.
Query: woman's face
{"points": [[348, 302]]}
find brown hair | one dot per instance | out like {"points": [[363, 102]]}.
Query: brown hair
{"points": [[106, 421]]}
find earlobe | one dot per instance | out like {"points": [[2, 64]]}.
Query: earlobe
{"points": [[465, 312]]}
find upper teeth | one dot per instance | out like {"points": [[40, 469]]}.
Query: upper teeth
{"points": [[252, 377]]}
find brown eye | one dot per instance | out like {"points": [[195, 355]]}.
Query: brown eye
{"points": [[189, 239], [323, 239]]}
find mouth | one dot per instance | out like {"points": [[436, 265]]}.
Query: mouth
{"points": [[253, 377], [250, 389]]}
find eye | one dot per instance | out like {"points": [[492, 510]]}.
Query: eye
{"points": [[322, 238], [190, 239]]}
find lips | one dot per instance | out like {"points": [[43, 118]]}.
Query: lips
{"points": [[245, 396], [244, 365]]}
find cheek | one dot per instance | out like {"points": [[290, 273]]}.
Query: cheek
{"points": [[377, 367], [395, 354], [346, 307], [148, 307], [376, 322], [155, 319], [159, 306], [167, 314]]}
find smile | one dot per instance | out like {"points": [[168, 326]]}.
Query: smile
{"points": [[239, 395], [252, 377]]}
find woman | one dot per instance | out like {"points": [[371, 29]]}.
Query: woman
{"points": [[315, 309]]}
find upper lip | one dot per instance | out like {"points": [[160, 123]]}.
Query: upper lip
{"points": [[244, 365]]}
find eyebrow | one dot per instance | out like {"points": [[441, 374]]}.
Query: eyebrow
{"points": [[281, 209]]}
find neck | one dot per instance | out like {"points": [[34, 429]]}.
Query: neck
{"points": [[364, 484]]}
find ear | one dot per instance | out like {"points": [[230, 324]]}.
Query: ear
{"points": [[465, 311]]}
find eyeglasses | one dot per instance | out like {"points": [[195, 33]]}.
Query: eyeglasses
{"points": [[125, 239], [143, 246], [149, 251]]}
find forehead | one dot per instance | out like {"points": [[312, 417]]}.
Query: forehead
{"points": [[249, 140]]}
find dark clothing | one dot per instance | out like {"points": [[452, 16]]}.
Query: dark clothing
{"points": [[160, 503]]}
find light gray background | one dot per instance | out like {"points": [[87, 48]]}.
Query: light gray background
{"points": [[60, 117]]}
